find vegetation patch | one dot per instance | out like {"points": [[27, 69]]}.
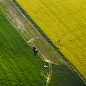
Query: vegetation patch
{"points": [[18, 65], [62, 75]]}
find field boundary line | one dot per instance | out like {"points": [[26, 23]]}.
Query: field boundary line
{"points": [[57, 49]]}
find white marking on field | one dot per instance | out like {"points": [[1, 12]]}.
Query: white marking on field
{"points": [[47, 60], [33, 39]]}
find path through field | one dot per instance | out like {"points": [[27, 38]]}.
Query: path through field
{"points": [[49, 75]]}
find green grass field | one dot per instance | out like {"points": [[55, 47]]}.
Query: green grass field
{"points": [[62, 75], [63, 21], [18, 65]]}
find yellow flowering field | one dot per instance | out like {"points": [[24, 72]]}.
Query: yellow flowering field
{"points": [[64, 22]]}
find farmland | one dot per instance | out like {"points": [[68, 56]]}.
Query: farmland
{"points": [[20, 66], [63, 21]]}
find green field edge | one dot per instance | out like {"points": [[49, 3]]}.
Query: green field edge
{"points": [[44, 35], [14, 81]]}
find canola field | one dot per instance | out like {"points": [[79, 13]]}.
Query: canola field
{"points": [[64, 22]]}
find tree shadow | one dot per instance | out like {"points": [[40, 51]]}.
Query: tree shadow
{"points": [[35, 50]]}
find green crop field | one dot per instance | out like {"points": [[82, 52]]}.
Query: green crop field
{"points": [[18, 65], [62, 75], [63, 21]]}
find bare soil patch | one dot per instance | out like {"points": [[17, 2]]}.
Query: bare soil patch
{"points": [[33, 39], [0, 0], [15, 19], [47, 60]]}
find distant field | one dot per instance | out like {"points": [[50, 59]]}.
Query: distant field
{"points": [[64, 22], [18, 65]]}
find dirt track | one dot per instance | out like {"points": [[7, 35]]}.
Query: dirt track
{"points": [[49, 75]]}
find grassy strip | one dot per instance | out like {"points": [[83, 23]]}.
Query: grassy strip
{"points": [[36, 26], [19, 66]]}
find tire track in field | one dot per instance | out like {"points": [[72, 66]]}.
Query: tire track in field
{"points": [[49, 75], [32, 39]]}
